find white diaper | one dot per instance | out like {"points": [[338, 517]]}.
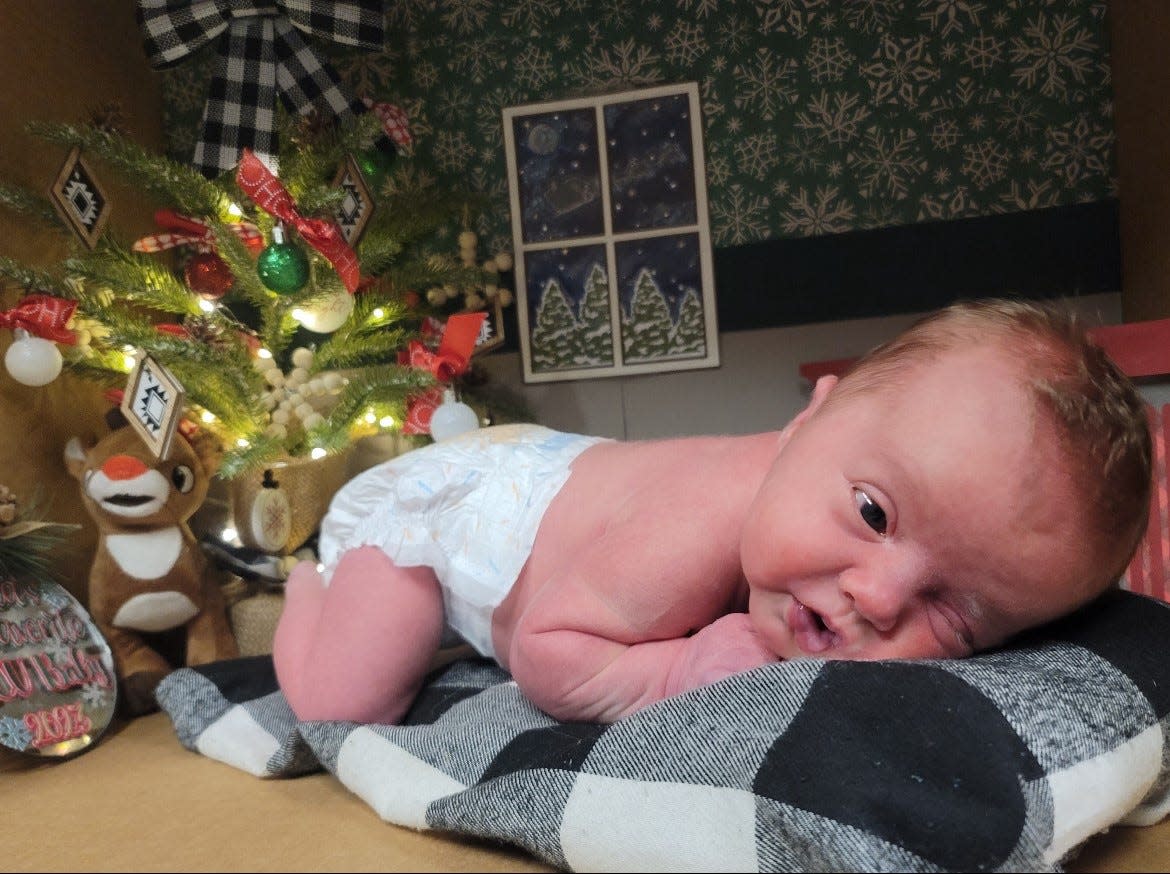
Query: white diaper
{"points": [[467, 507]]}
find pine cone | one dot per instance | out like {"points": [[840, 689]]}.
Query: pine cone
{"points": [[205, 329], [311, 128], [109, 117]]}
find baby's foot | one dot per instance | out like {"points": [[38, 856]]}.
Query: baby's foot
{"points": [[296, 630], [729, 645]]}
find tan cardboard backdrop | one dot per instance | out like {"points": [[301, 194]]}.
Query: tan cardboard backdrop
{"points": [[59, 61]]}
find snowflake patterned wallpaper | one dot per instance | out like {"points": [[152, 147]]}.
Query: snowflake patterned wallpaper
{"points": [[819, 117]]}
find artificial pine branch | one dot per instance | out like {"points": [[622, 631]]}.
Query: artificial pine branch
{"points": [[33, 280], [132, 300], [137, 278], [26, 203], [168, 180]]}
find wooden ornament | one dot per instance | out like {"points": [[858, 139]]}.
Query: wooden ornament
{"points": [[354, 211], [80, 199]]}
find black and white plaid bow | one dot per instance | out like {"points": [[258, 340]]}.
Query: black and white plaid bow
{"points": [[261, 55]]}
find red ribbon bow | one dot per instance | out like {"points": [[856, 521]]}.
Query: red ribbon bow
{"points": [[451, 359], [180, 230], [43, 316], [260, 184]]}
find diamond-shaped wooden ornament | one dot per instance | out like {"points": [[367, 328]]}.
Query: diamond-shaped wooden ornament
{"points": [[80, 199], [152, 403], [354, 210]]}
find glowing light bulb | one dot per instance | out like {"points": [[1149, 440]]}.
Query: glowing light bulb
{"points": [[263, 353], [206, 305], [317, 452], [386, 421], [207, 416]]}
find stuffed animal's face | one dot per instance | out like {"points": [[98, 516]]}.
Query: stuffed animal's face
{"points": [[124, 486]]}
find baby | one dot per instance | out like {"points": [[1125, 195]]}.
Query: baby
{"points": [[983, 473]]}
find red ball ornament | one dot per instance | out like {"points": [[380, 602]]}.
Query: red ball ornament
{"points": [[208, 275]]}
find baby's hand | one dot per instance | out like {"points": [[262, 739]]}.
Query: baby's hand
{"points": [[729, 645]]}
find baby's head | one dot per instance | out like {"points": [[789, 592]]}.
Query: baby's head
{"points": [[986, 471]]}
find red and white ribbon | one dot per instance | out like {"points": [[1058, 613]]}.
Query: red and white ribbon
{"points": [[42, 315], [446, 363], [182, 230], [395, 122], [267, 192]]}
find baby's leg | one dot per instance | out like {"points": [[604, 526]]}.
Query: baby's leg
{"points": [[358, 650]]}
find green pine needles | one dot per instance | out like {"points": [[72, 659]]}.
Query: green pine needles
{"points": [[254, 374]]}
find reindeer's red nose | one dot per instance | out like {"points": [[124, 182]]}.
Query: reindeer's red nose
{"points": [[118, 467]]}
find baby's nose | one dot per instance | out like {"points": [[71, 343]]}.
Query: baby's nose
{"points": [[882, 591]]}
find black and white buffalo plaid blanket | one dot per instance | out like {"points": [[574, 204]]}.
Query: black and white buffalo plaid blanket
{"points": [[1006, 761]]}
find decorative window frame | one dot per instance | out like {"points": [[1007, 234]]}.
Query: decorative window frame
{"points": [[551, 174]]}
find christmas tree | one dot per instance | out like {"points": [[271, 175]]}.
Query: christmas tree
{"points": [[300, 306]]}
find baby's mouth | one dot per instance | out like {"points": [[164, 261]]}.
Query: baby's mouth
{"points": [[809, 629]]}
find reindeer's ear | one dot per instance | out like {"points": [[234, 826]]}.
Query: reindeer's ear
{"points": [[75, 456], [208, 450]]}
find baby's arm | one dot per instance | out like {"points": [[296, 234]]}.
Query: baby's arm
{"points": [[610, 634]]}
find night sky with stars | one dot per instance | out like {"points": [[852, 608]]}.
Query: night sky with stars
{"points": [[651, 163], [559, 175]]}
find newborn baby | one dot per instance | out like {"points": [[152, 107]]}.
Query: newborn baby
{"points": [[985, 472]]}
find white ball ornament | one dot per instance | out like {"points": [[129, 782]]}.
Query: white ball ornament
{"points": [[452, 418], [302, 357], [33, 360], [326, 315]]}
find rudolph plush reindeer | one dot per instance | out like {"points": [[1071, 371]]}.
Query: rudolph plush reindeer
{"points": [[148, 573]]}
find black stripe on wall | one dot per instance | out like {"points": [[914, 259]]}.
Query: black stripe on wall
{"points": [[1065, 251]]}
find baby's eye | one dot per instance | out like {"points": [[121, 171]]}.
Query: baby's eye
{"points": [[872, 514], [952, 631]]}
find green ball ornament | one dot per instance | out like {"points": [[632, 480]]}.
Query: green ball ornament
{"points": [[283, 267], [375, 162]]}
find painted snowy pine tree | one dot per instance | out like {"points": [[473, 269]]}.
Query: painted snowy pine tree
{"points": [[647, 328], [562, 339], [596, 332], [649, 333], [690, 332], [556, 340]]}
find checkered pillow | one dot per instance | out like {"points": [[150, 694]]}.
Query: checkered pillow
{"points": [[1007, 760]]}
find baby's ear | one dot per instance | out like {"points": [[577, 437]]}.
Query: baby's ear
{"points": [[820, 391]]}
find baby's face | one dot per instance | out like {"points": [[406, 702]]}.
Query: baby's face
{"points": [[931, 520]]}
